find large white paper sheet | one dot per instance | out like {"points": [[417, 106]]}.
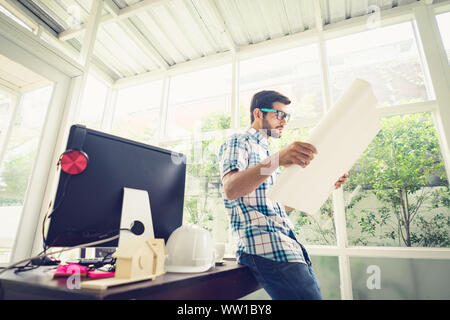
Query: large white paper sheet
{"points": [[340, 138]]}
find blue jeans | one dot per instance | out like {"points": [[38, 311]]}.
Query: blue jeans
{"points": [[284, 280]]}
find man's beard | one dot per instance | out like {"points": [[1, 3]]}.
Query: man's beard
{"points": [[270, 132]]}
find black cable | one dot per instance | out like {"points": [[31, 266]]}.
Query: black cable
{"points": [[42, 254], [28, 267], [48, 216], [62, 196]]}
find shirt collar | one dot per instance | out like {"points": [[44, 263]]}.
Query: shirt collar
{"points": [[259, 137]]}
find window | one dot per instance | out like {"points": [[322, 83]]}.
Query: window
{"points": [[5, 112], [199, 102], [93, 105], [443, 21], [17, 20], [397, 193], [399, 279], [386, 57], [137, 112], [203, 202], [294, 73], [327, 271], [17, 163]]}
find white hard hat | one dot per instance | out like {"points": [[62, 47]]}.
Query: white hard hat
{"points": [[189, 249]]}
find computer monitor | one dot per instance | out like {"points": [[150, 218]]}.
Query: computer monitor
{"points": [[88, 205]]}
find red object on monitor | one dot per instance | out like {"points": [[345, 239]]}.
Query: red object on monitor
{"points": [[73, 162]]}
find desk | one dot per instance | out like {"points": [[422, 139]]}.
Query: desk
{"points": [[228, 282]]}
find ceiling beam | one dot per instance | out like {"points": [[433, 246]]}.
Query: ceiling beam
{"points": [[198, 22], [136, 36], [111, 7], [115, 16], [211, 6], [93, 24], [143, 43], [318, 15]]}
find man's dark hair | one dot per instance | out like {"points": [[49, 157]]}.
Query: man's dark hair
{"points": [[265, 99]]}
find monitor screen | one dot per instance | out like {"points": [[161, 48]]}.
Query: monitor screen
{"points": [[88, 205]]}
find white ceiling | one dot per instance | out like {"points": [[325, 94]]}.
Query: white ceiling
{"points": [[152, 35]]}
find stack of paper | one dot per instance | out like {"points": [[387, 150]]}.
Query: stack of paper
{"points": [[340, 138]]}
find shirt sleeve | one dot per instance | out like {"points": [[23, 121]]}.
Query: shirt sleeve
{"points": [[233, 155]]}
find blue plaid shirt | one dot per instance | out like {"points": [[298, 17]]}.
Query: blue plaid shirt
{"points": [[262, 226]]}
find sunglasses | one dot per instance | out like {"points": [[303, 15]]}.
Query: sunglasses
{"points": [[280, 114]]}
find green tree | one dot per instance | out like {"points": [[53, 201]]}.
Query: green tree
{"points": [[203, 171], [403, 168], [14, 179]]}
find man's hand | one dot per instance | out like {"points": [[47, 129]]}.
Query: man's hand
{"points": [[300, 153], [288, 209], [341, 181]]}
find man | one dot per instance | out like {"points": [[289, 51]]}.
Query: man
{"points": [[267, 244]]}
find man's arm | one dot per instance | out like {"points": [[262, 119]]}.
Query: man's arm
{"points": [[237, 184]]}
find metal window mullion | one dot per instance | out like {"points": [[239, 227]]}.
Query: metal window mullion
{"points": [[338, 195], [436, 59], [235, 107], [109, 108], [325, 73], [341, 241], [164, 109], [427, 253], [423, 62]]}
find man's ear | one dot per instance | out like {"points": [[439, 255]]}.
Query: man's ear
{"points": [[257, 113]]}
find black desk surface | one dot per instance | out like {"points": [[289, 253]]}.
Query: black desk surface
{"points": [[228, 282]]}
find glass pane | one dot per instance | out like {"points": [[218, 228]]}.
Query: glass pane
{"points": [[397, 193], [137, 112], [443, 21], [327, 272], [203, 202], [93, 105], [389, 278], [294, 73], [18, 161], [5, 112], [199, 102], [315, 229], [386, 57]]}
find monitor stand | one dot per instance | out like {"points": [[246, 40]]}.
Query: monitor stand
{"points": [[136, 215]]}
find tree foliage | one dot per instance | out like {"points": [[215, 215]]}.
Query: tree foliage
{"points": [[403, 168]]}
